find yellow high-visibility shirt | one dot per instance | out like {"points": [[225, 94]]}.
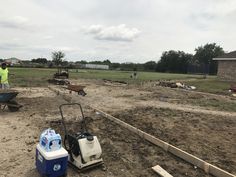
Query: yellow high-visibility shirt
{"points": [[4, 76]]}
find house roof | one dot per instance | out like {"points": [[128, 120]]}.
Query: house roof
{"points": [[12, 59], [227, 56]]}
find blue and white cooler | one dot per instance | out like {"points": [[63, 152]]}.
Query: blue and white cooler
{"points": [[51, 158]]}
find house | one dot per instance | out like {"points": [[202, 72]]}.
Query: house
{"points": [[12, 61], [227, 66]]}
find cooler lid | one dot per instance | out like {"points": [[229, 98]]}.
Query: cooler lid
{"points": [[53, 154]]}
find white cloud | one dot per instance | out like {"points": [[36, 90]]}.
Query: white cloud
{"points": [[113, 33], [66, 48], [20, 20], [35, 28], [13, 22], [47, 37]]}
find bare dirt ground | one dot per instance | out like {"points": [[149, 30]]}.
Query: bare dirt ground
{"points": [[208, 134], [209, 138]]}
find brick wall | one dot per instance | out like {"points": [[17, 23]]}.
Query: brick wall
{"points": [[227, 70]]}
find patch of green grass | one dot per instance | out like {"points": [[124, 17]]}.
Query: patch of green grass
{"points": [[39, 76], [221, 105], [125, 75], [25, 77], [217, 104], [212, 85]]}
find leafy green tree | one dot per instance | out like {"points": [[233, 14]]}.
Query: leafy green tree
{"points": [[81, 62], [174, 62], [107, 62], [57, 57], [115, 65], [40, 60], [150, 66], [205, 54]]}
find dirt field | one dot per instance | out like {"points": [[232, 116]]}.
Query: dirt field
{"points": [[205, 132], [209, 138]]}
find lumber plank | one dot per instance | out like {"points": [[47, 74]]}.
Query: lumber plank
{"points": [[158, 169], [219, 172]]}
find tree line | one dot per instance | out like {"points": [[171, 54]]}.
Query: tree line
{"points": [[181, 62], [170, 61]]}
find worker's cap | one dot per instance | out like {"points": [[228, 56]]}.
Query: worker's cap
{"points": [[4, 64]]}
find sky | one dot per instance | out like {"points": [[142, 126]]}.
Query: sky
{"points": [[118, 30]]}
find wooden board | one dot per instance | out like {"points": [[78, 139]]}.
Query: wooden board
{"points": [[161, 171]]}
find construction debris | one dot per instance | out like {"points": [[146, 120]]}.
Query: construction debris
{"points": [[60, 77], [59, 81], [175, 85], [232, 88], [62, 73], [115, 83]]}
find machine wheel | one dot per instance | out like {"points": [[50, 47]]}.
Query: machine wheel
{"points": [[81, 92], [13, 108]]}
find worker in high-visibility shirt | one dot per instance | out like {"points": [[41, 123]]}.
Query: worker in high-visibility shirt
{"points": [[4, 76]]}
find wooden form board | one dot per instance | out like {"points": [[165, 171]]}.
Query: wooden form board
{"points": [[208, 168], [161, 171]]}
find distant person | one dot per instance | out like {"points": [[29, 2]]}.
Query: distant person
{"points": [[134, 75], [4, 76]]}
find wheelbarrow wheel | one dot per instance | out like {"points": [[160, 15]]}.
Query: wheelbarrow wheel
{"points": [[11, 107]]}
